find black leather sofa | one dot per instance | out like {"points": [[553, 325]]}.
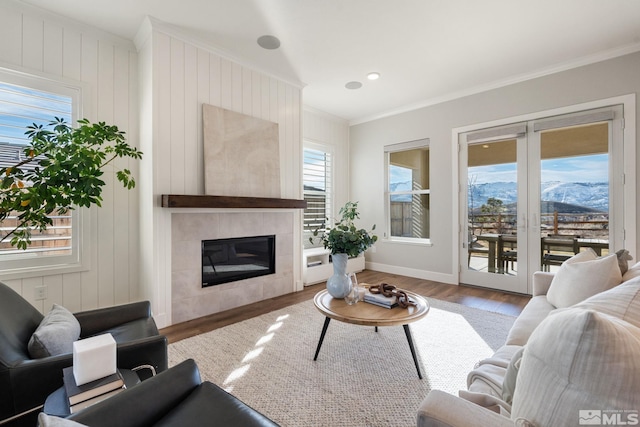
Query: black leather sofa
{"points": [[25, 383], [176, 397]]}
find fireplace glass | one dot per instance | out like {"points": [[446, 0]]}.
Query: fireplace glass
{"points": [[228, 260]]}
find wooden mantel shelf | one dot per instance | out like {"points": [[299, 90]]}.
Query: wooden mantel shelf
{"points": [[229, 202]]}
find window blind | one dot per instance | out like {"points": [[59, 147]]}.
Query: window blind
{"points": [[317, 180], [21, 107], [501, 132], [583, 118]]}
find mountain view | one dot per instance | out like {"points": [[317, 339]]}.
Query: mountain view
{"points": [[568, 197], [591, 196]]}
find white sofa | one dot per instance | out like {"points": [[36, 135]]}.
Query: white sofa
{"points": [[573, 351]]}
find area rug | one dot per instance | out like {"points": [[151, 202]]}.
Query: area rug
{"points": [[361, 377]]}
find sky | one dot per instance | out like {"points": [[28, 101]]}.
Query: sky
{"points": [[21, 107], [399, 174]]}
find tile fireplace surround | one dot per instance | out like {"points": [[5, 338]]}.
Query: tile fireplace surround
{"points": [[189, 300]]}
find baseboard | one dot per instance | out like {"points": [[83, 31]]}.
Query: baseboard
{"points": [[413, 272]]}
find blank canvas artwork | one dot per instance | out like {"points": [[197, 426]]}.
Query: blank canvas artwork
{"points": [[241, 154]]}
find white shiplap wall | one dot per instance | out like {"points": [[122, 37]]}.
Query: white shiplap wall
{"points": [[38, 43], [184, 74]]}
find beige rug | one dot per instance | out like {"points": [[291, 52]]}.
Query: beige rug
{"points": [[361, 378]]}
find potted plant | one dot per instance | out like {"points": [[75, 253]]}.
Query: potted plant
{"points": [[344, 240], [61, 169]]}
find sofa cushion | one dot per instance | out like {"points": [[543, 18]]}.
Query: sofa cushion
{"points": [[632, 272], [485, 381], [582, 276], [55, 334], [533, 313], [622, 302], [578, 359]]}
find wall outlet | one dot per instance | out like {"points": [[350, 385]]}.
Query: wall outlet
{"points": [[40, 292]]}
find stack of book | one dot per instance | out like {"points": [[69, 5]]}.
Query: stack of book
{"points": [[82, 396], [380, 300]]}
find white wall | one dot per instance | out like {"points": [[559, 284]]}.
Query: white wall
{"points": [[597, 81], [178, 75], [36, 42]]}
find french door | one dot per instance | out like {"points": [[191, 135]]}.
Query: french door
{"points": [[534, 193]]}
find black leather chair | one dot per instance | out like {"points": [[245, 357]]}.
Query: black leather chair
{"points": [[25, 383], [176, 397]]}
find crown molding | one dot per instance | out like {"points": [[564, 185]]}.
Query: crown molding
{"points": [[564, 66]]}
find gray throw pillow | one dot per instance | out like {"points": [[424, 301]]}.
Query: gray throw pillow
{"points": [[510, 377], [55, 334], [623, 260]]}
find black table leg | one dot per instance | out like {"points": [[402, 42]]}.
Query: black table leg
{"points": [[407, 332], [324, 331]]}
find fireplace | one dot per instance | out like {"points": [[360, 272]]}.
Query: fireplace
{"points": [[189, 299], [229, 260]]}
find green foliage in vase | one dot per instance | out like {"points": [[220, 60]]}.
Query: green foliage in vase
{"points": [[66, 166], [345, 237]]}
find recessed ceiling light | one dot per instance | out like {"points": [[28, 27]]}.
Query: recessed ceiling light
{"points": [[373, 76], [485, 146], [269, 42], [353, 85]]}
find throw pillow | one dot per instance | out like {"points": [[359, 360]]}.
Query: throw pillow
{"points": [[622, 301], [510, 377], [623, 260], [55, 334], [45, 420], [578, 359], [582, 276]]}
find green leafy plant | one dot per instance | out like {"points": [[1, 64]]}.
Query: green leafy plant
{"points": [[345, 237], [65, 166]]}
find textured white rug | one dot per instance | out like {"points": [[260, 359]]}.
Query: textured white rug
{"points": [[361, 378]]}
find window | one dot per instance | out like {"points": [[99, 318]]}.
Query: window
{"points": [[317, 174], [408, 190], [25, 100]]}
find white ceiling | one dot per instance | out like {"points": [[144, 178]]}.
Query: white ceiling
{"points": [[426, 50]]}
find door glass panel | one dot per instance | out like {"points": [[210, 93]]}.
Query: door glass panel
{"points": [[574, 192], [492, 207]]}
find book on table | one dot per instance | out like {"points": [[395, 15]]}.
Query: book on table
{"points": [[380, 300], [77, 394], [86, 403]]}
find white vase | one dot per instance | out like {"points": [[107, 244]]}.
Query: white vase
{"points": [[339, 285]]}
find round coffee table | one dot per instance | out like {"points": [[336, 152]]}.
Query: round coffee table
{"points": [[366, 314]]}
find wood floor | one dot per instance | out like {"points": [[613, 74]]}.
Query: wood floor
{"points": [[484, 299]]}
